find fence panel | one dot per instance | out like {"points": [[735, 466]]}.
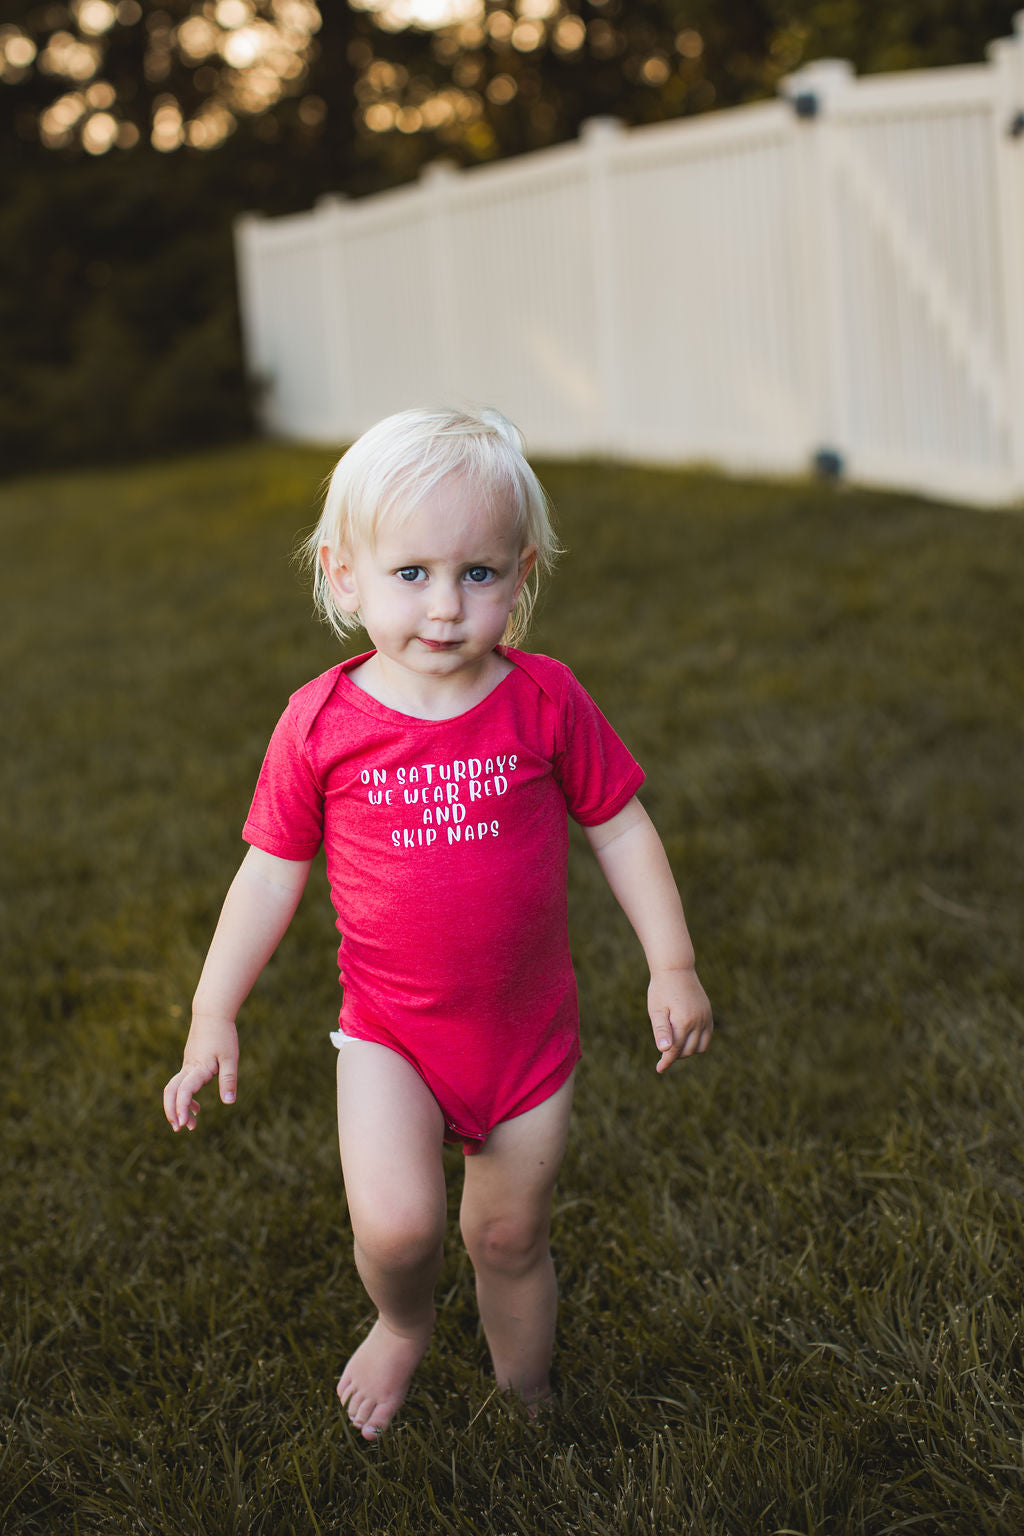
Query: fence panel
{"points": [[909, 177], [393, 326], [285, 291], [521, 304], [840, 272], [705, 293]]}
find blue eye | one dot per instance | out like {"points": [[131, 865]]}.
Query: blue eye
{"points": [[409, 573], [478, 574]]}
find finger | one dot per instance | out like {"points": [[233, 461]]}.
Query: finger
{"points": [[703, 1033], [695, 1036], [174, 1100], [669, 1056], [662, 1026], [188, 1082], [171, 1101], [690, 1038], [188, 1104], [228, 1077], [687, 1037]]}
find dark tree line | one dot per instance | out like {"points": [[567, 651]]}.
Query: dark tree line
{"points": [[133, 131]]}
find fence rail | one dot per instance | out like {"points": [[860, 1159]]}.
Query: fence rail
{"points": [[836, 277]]}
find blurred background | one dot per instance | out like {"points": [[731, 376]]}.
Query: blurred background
{"points": [[792, 1275], [134, 133]]}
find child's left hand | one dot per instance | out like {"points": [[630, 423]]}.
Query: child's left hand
{"points": [[680, 1015]]}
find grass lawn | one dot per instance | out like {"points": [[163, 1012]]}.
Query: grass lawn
{"points": [[792, 1271]]}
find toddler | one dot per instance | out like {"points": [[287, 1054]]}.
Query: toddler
{"points": [[438, 769]]}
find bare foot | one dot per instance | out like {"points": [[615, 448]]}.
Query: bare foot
{"points": [[374, 1382], [536, 1402], [533, 1399]]}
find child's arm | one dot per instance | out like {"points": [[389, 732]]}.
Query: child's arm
{"points": [[635, 864], [257, 909]]}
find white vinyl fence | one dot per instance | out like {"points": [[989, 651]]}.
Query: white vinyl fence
{"points": [[835, 277]]}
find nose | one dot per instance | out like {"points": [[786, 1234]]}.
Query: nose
{"points": [[445, 603]]}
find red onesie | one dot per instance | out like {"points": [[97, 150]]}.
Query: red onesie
{"points": [[447, 850]]}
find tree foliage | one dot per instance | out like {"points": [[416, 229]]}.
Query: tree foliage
{"points": [[133, 131]]}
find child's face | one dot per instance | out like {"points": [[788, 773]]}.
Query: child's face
{"points": [[434, 593]]}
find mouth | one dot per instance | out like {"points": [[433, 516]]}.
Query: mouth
{"points": [[440, 645]]}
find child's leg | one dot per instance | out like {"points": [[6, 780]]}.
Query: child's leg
{"points": [[506, 1223], [390, 1132]]}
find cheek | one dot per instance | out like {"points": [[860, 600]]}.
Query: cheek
{"points": [[494, 600], [390, 603]]}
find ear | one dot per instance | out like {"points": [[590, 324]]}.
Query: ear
{"points": [[339, 570], [527, 561]]}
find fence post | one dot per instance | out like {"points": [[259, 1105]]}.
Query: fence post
{"points": [[599, 135], [813, 93], [1006, 56], [330, 236]]}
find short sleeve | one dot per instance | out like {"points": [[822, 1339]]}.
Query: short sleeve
{"points": [[286, 817], [596, 770]]}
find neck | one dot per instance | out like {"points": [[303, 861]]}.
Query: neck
{"points": [[429, 698]]}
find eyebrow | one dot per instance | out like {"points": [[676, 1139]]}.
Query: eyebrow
{"points": [[491, 558]]}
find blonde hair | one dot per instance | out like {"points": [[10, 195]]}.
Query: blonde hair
{"points": [[397, 463]]}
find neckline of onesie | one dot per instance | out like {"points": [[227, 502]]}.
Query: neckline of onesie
{"points": [[371, 706]]}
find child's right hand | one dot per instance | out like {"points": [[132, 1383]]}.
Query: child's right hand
{"points": [[211, 1050]]}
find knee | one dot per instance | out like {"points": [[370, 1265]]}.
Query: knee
{"points": [[400, 1240], [509, 1244]]}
